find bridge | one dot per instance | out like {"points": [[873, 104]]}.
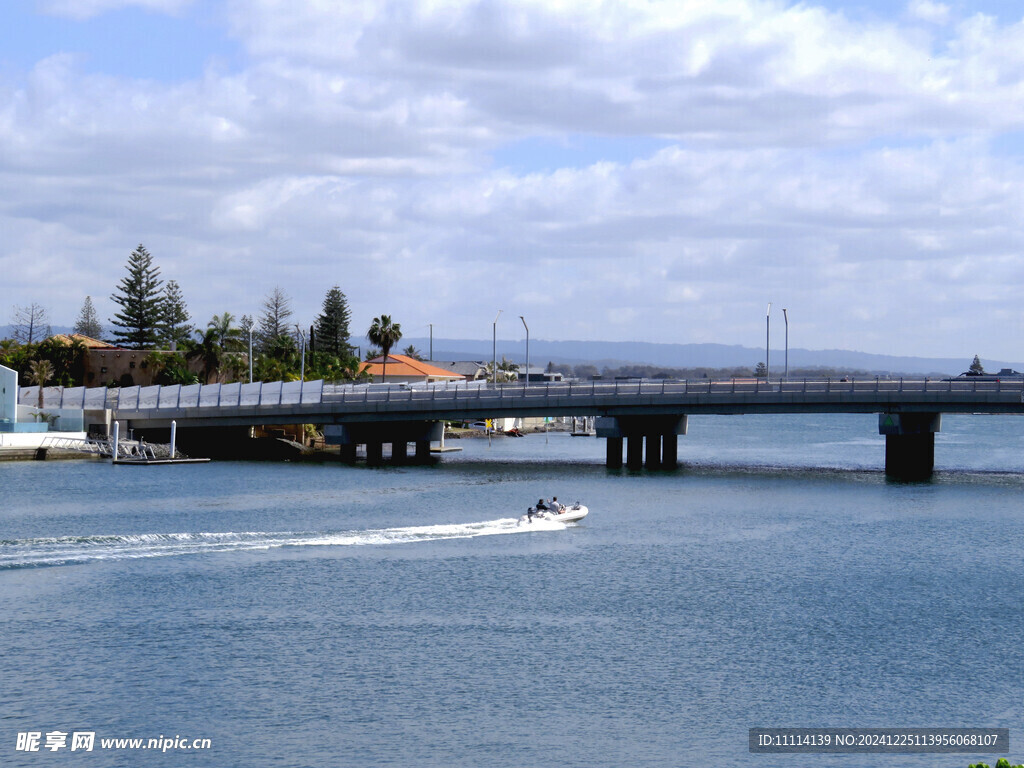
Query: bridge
{"points": [[645, 416]]}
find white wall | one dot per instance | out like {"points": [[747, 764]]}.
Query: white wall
{"points": [[8, 394]]}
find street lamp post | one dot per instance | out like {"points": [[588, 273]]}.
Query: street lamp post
{"points": [[251, 325], [431, 353], [527, 350], [768, 341], [302, 368], [786, 318], [494, 348]]}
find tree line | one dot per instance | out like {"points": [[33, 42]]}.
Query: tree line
{"points": [[152, 314]]}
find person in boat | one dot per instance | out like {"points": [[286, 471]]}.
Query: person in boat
{"points": [[542, 506], [556, 507]]}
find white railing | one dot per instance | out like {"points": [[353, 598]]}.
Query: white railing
{"points": [[399, 393], [104, 447], [316, 392], [175, 396], [81, 445]]}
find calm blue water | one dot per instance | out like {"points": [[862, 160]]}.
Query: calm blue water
{"points": [[311, 615]]}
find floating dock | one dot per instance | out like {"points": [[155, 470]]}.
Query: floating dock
{"points": [[138, 453], [150, 460]]}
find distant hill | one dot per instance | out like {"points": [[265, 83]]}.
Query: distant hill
{"points": [[7, 331], [616, 353], [613, 354]]}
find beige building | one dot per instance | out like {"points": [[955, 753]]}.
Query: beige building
{"points": [[106, 363]]}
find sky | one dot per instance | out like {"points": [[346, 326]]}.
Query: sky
{"points": [[631, 170]]}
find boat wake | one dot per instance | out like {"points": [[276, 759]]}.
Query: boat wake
{"points": [[75, 550]]}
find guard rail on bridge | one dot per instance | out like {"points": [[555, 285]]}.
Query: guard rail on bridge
{"points": [[313, 393], [413, 393]]}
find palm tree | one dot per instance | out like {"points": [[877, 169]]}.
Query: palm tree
{"points": [[228, 336], [507, 370], [209, 350], [384, 334], [40, 372]]}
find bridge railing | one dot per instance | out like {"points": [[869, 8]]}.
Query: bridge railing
{"points": [[400, 393], [158, 398], [175, 396]]}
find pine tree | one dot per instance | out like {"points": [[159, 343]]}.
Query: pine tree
{"points": [[976, 369], [88, 323], [138, 324], [175, 328], [331, 330], [277, 308]]}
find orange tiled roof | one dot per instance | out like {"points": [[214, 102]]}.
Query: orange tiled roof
{"points": [[401, 365]]}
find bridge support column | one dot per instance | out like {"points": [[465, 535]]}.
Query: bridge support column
{"points": [[653, 458], [613, 452], [909, 443], [400, 452], [658, 432], [635, 452], [374, 434], [422, 451], [375, 453], [669, 451]]}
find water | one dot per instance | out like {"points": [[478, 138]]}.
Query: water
{"points": [[318, 615]]}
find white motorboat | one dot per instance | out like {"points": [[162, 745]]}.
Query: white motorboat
{"points": [[572, 514]]}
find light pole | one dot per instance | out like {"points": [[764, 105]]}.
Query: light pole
{"points": [[251, 325], [431, 353], [302, 369], [768, 341], [527, 350], [494, 347], [786, 318]]}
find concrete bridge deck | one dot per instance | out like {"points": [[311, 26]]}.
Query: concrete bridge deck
{"points": [[320, 403], [636, 411]]}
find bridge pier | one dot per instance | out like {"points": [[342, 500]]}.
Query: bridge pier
{"points": [[670, 451], [422, 451], [399, 452], [909, 443], [613, 452], [374, 434], [635, 452], [653, 444], [374, 453], [659, 433]]}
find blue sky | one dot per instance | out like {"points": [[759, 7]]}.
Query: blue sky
{"points": [[128, 42], [630, 171]]}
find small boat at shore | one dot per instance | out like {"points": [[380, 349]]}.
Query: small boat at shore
{"points": [[572, 514]]}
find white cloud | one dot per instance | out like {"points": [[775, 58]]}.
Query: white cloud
{"points": [[87, 9], [843, 168], [926, 10]]}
